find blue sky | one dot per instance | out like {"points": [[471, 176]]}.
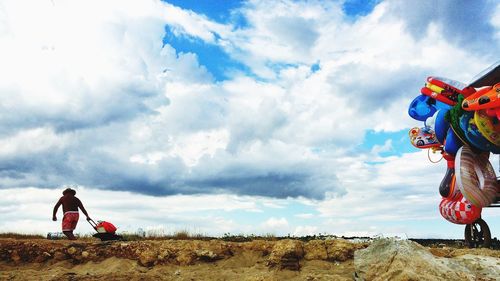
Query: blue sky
{"points": [[284, 117]]}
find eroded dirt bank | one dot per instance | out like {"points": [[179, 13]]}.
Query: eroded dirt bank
{"points": [[177, 260], [39, 259]]}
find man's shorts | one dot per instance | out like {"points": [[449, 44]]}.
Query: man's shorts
{"points": [[70, 220]]}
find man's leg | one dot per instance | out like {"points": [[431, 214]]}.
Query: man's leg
{"points": [[70, 235]]}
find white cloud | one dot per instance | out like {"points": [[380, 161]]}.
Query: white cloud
{"points": [[495, 21], [386, 147], [192, 24], [92, 96], [305, 230], [276, 226], [31, 141]]}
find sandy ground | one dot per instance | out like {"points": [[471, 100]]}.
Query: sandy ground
{"points": [[242, 267], [186, 260]]}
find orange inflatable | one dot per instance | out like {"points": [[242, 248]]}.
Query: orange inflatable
{"points": [[488, 97]]}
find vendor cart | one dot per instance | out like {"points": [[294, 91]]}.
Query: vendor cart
{"points": [[478, 234]]}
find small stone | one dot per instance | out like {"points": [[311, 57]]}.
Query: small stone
{"points": [[85, 254], [206, 255], [72, 250], [177, 272]]}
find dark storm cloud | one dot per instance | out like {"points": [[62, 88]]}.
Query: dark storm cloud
{"points": [[66, 167], [271, 184], [116, 105]]}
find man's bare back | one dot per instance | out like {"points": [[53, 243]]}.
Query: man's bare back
{"points": [[71, 203]]}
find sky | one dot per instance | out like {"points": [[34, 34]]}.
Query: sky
{"points": [[242, 117]]}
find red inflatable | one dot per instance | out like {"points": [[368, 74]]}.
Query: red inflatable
{"points": [[459, 211], [451, 86], [105, 227], [445, 90], [438, 96]]}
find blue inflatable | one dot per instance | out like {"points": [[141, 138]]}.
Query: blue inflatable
{"points": [[452, 142], [474, 136], [441, 105], [423, 107], [441, 126]]}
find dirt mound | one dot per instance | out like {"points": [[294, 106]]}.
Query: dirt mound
{"points": [[286, 259], [207, 260], [391, 259]]}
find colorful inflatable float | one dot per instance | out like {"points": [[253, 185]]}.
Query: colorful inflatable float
{"points": [[462, 122]]}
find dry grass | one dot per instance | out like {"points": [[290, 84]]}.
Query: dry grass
{"points": [[13, 235], [161, 235], [178, 235]]}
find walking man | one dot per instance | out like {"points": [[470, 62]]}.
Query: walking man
{"points": [[70, 205]]}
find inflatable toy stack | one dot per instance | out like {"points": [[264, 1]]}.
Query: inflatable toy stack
{"points": [[462, 122]]}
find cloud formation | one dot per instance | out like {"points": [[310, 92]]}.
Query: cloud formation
{"points": [[93, 95]]}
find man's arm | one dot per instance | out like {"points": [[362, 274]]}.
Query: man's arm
{"points": [[80, 205], [56, 207]]}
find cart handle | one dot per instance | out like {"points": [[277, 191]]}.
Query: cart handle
{"points": [[93, 223]]}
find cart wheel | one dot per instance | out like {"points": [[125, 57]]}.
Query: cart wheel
{"points": [[477, 234]]}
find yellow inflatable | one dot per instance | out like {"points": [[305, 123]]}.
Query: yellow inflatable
{"points": [[489, 128]]}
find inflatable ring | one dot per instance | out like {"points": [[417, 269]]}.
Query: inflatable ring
{"points": [[475, 177], [488, 97], [489, 127], [473, 135], [459, 211]]}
